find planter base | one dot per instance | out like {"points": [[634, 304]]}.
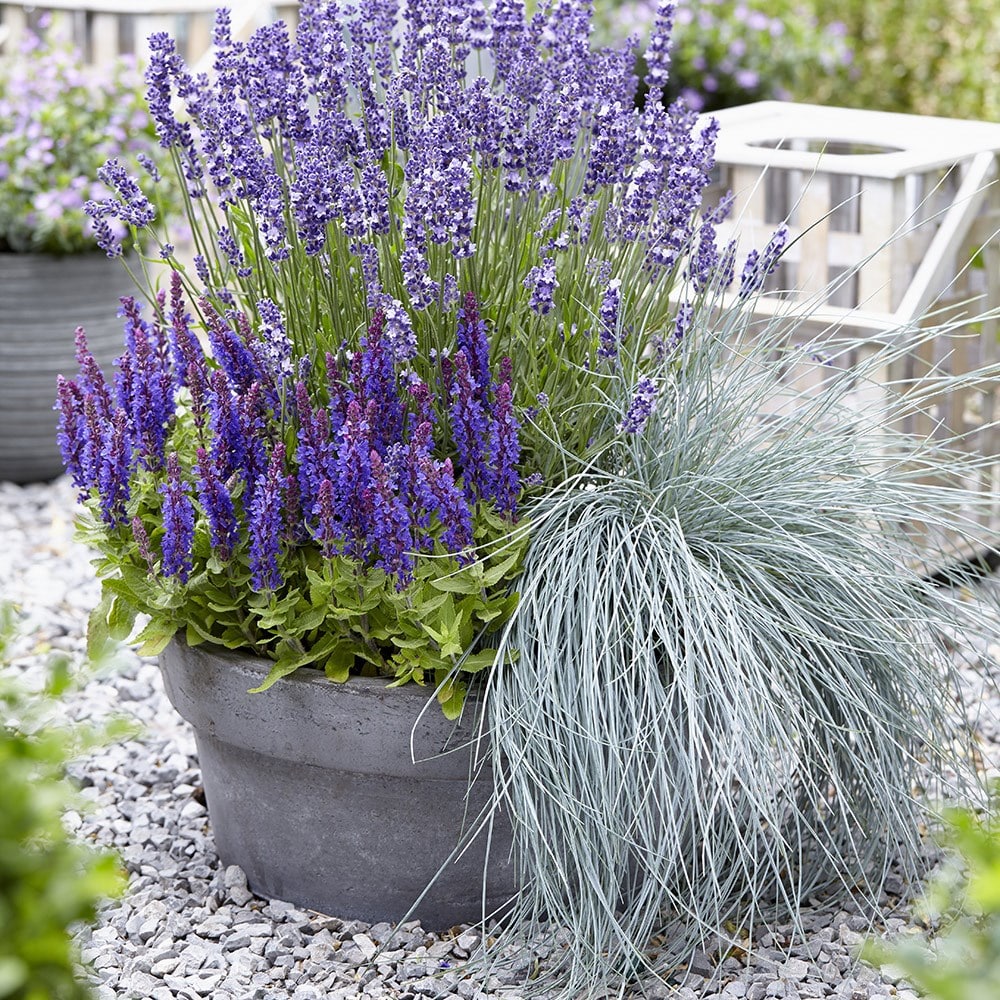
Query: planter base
{"points": [[311, 790]]}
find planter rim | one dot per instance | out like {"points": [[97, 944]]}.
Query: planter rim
{"points": [[308, 718]]}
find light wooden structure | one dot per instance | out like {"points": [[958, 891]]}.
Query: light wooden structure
{"points": [[105, 29], [890, 217]]}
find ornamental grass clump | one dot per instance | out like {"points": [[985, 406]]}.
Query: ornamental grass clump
{"points": [[741, 692]]}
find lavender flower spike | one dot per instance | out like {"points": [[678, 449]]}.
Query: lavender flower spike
{"points": [[641, 407]]}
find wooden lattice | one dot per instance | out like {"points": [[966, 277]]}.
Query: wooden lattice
{"points": [[891, 218]]}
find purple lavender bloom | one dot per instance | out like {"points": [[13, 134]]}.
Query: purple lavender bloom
{"points": [[217, 504], [759, 266], [542, 282], [705, 263], [608, 321], [266, 523], [641, 407], [276, 352], [132, 205], [164, 65], [233, 253], [682, 322], [658, 51], [178, 523]]}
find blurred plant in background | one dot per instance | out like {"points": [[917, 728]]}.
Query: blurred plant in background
{"points": [[59, 122], [48, 881], [730, 52], [963, 903], [921, 57]]}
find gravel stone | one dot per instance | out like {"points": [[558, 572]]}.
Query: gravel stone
{"points": [[189, 928]]}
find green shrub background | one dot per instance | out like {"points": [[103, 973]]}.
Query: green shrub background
{"points": [[48, 881]]}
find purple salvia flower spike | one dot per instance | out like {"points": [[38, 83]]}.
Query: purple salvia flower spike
{"points": [[218, 508], [266, 524], [328, 530], [141, 537], [469, 430], [178, 523], [391, 535], [472, 341]]}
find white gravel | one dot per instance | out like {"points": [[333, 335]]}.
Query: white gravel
{"points": [[187, 928]]}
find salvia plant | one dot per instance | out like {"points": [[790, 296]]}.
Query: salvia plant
{"points": [[59, 122], [232, 501]]}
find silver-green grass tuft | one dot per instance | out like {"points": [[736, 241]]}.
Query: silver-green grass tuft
{"points": [[733, 691]]}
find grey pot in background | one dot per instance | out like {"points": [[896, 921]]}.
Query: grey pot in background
{"points": [[43, 299], [312, 791]]}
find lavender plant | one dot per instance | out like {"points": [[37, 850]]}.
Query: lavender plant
{"points": [[396, 162], [59, 122], [728, 53], [366, 526]]}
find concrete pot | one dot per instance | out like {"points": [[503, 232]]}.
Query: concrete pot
{"points": [[312, 791], [43, 299]]}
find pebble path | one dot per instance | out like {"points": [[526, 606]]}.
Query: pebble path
{"points": [[187, 928]]}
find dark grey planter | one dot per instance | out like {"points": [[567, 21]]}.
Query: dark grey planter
{"points": [[43, 299], [312, 791]]}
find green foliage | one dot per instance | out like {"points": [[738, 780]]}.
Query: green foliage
{"points": [[59, 121], [730, 675], [963, 901], [48, 882], [731, 52], [916, 56]]}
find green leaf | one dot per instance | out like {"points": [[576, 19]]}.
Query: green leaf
{"points": [[156, 636], [493, 576], [121, 619], [451, 698], [475, 662], [289, 660], [98, 632], [340, 663]]}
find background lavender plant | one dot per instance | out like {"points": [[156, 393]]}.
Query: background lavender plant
{"points": [[422, 155], [731, 52], [59, 123]]}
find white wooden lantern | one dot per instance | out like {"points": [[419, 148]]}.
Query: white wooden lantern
{"points": [[890, 217]]}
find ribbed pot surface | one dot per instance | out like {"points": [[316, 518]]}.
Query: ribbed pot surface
{"points": [[43, 299], [313, 792]]}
